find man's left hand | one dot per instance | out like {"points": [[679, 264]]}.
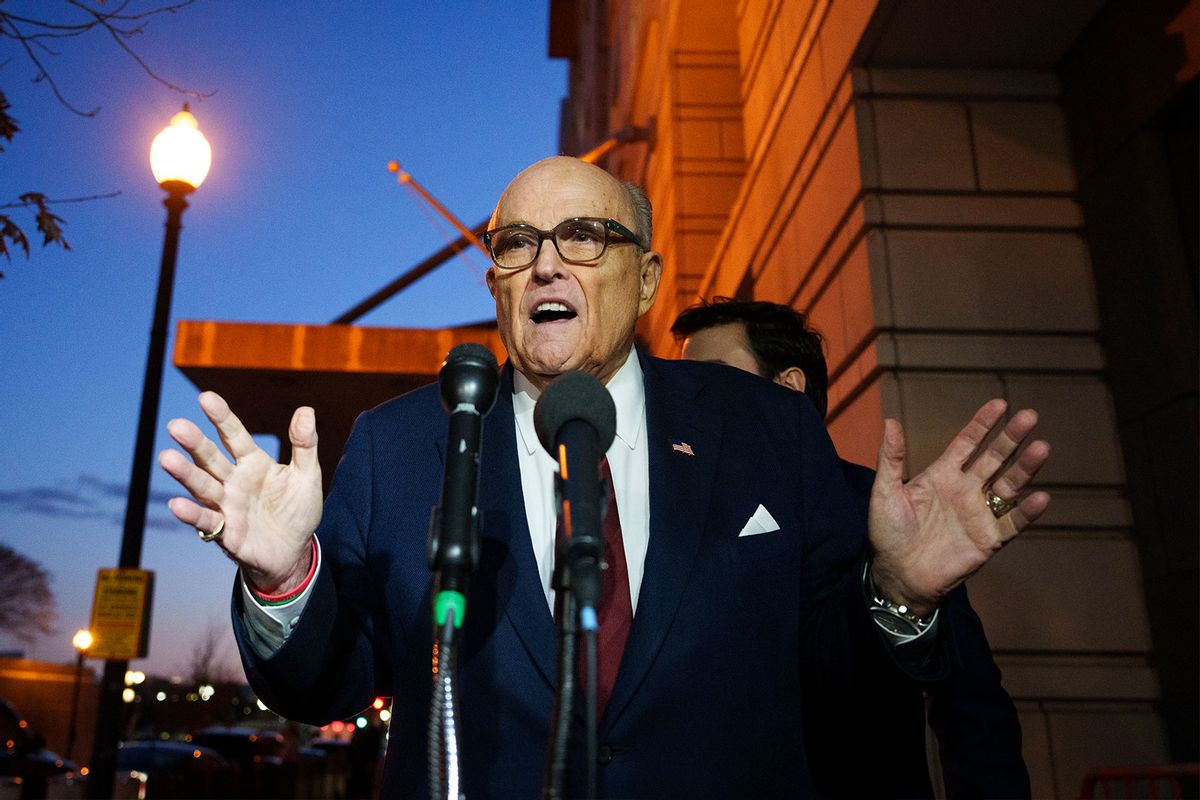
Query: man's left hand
{"points": [[933, 532]]}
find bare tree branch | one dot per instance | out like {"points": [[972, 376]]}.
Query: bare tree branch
{"points": [[47, 201], [43, 75], [109, 21], [26, 602], [209, 661], [116, 13]]}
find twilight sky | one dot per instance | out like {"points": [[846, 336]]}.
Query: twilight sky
{"points": [[298, 220]]}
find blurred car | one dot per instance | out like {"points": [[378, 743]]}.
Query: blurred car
{"points": [[23, 754], [266, 764], [176, 770]]}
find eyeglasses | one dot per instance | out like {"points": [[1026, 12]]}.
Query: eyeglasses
{"points": [[581, 240]]}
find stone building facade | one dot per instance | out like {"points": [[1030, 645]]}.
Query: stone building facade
{"points": [[970, 200]]}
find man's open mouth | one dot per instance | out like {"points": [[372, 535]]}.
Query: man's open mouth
{"points": [[551, 312]]}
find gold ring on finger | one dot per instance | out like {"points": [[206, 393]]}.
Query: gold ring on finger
{"points": [[998, 504], [211, 536]]}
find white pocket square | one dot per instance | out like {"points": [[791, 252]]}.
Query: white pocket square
{"points": [[760, 521]]}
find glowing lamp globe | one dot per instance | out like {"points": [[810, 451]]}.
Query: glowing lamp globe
{"points": [[180, 156], [82, 640]]}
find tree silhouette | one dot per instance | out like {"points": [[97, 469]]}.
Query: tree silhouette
{"points": [[209, 660], [26, 602], [33, 37]]}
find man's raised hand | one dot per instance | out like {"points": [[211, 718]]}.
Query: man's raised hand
{"points": [[933, 532], [268, 510]]}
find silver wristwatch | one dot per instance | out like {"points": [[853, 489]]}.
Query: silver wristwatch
{"points": [[892, 617]]}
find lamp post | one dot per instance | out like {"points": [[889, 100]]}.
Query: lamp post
{"points": [[179, 158], [82, 640]]}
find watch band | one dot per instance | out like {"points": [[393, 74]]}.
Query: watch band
{"points": [[894, 617]]}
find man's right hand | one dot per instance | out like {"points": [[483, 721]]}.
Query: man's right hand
{"points": [[270, 510]]}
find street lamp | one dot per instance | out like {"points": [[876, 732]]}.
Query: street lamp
{"points": [[179, 158], [82, 640]]}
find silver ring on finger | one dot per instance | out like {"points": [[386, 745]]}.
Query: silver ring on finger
{"points": [[998, 505], [213, 535]]}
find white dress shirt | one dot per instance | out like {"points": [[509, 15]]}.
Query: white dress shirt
{"points": [[627, 457]]}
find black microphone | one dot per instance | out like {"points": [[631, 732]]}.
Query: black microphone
{"points": [[468, 381], [575, 420]]}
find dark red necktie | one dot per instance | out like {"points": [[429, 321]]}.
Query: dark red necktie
{"points": [[616, 608]]}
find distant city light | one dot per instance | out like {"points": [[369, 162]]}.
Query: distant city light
{"points": [[128, 695], [206, 691], [160, 696], [134, 677]]}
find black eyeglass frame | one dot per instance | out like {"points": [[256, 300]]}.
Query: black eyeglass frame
{"points": [[611, 226]]}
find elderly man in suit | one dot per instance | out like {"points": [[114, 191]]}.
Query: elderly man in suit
{"points": [[748, 580]]}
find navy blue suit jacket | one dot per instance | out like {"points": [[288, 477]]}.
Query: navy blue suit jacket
{"points": [[730, 633]]}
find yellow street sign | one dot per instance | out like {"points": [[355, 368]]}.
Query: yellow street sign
{"points": [[121, 613]]}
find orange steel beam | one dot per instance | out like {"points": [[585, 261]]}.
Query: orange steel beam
{"points": [[322, 348]]}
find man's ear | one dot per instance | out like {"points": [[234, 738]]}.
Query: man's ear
{"points": [[650, 267], [490, 277], [793, 378]]}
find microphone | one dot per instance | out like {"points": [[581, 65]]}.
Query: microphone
{"points": [[468, 381], [575, 420]]}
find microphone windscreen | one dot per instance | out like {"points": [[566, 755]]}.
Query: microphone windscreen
{"points": [[575, 396], [469, 375], [471, 351]]}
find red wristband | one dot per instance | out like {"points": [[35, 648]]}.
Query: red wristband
{"points": [[280, 599]]}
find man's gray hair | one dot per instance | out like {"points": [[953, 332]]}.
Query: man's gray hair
{"points": [[640, 204]]}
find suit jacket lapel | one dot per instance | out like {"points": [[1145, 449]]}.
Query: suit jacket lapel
{"points": [[680, 494], [507, 549]]}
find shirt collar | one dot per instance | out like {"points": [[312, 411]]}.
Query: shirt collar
{"points": [[628, 391]]}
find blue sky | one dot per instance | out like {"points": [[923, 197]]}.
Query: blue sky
{"points": [[298, 220]]}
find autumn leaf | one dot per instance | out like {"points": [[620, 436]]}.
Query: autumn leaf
{"points": [[9, 230], [48, 224], [8, 125], [47, 221]]}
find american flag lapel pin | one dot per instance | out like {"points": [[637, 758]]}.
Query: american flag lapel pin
{"points": [[680, 446]]}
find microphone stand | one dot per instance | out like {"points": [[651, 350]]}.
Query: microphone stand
{"points": [[564, 695], [468, 383], [571, 621], [575, 420], [453, 557], [449, 611]]}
